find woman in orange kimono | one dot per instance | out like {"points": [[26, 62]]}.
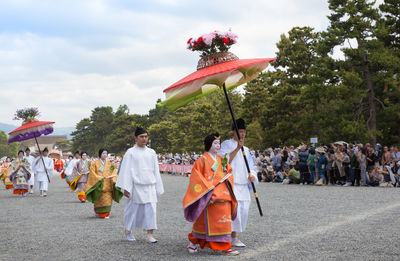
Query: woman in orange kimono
{"points": [[209, 201], [100, 187]]}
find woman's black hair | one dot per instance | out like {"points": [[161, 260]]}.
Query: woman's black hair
{"points": [[101, 151]]}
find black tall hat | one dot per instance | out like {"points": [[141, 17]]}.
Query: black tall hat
{"points": [[139, 131], [209, 140], [240, 124]]}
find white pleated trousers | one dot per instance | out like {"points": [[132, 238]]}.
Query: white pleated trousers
{"points": [[142, 216]]}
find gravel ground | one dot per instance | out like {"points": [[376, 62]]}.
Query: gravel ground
{"points": [[299, 223]]}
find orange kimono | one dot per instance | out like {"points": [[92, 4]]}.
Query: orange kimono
{"points": [[209, 202], [58, 165]]}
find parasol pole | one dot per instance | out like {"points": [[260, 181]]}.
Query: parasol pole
{"points": [[243, 153], [44, 166]]}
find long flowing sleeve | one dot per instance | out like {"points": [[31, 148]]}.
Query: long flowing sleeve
{"points": [[93, 176], [50, 167], [70, 167], [226, 148], [13, 171], [159, 183], [252, 166], [35, 165], [125, 179], [75, 171]]}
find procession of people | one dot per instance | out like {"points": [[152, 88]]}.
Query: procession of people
{"points": [[218, 195], [217, 200]]}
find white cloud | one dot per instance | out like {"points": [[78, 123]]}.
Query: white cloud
{"points": [[73, 56]]}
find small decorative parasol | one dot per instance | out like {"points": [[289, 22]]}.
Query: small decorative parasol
{"points": [[31, 128], [217, 69]]}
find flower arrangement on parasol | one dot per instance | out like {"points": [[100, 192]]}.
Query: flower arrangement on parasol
{"points": [[27, 115], [30, 128], [212, 42]]}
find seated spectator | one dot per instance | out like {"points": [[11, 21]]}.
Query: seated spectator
{"points": [[269, 174], [375, 177], [388, 177], [294, 176]]}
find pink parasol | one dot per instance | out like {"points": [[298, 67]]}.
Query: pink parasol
{"points": [[217, 69]]}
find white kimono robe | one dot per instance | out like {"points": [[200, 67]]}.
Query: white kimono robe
{"points": [[41, 180], [242, 185], [31, 161], [71, 166], [140, 176]]}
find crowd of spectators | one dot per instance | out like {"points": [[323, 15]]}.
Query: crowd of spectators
{"points": [[339, 164], [178, 158]]}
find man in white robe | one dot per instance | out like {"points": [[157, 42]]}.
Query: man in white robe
{"points": [[140, 180], [41, 180], [30, 159], [242, 180]]}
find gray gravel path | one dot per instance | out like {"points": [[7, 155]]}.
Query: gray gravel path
{"points": [[299, 223]]}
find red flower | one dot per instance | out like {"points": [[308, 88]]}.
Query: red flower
{"points": [[200, 39], [189, 40], [225, 40]]}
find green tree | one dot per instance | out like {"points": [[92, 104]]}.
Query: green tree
{"points": [[81, 137], [122, 135], [356, 19], [64, 145], [7, 149], [161, 136]]}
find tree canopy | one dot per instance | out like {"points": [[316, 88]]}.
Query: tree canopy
{"points": [[7, 149], [338, 84]]}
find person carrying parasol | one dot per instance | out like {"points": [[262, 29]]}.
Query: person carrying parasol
{"points": [[242, 178], [31, 128], [43, 170]]}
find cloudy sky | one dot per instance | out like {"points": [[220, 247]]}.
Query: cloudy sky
{"points": [[68, 56]]}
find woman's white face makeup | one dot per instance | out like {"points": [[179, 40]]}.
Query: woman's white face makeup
{"points": [[84, 156], [104, 155], [215, 146]]}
